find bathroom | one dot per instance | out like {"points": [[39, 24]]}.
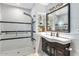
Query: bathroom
{"points": [[39, 29]]}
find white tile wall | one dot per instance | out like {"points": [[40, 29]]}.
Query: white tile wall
{"points": [[10, 13], [13, 47]]}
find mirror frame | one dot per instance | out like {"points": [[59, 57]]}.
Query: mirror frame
{"points": [[68, 4]]}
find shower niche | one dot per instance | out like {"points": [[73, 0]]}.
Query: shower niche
{"points": [[41, 23]]}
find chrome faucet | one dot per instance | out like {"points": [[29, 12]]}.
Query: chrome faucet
{"points": [[57, 35], [51, 33]]}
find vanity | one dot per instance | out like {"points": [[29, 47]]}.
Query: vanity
{"points": [[55, 46], [57, 20]]}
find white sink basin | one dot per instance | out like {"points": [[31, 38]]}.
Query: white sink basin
{"points": [[55, 39]]}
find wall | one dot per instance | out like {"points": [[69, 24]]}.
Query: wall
{"points": [[75, 27], [10, 13], [37, 10], [74, 17], [14, 14]]}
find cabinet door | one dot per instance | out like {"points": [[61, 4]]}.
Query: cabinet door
{"points": [[47, 47], [61, 49], [59, 53]]}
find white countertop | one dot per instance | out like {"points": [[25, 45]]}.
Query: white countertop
{"points": [[62, 40]]}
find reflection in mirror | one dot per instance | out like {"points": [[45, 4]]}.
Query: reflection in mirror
{"points": [[59, 20]]}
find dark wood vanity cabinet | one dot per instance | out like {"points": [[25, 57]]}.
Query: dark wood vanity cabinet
{"points": [[55, 49]]}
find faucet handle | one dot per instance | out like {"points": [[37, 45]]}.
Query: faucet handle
{"points": [[57, 34], [51, 33]]}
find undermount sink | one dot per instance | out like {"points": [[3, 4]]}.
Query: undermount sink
{"points": [[50, 38]]}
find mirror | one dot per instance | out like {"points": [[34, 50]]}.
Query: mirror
{"points": [[59, 20]]}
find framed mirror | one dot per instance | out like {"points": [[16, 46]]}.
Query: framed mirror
{"points": [[59, 20]]}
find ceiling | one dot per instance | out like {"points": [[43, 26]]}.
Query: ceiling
{"points": [[30, 6], [26, 5], [22, 5]]}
